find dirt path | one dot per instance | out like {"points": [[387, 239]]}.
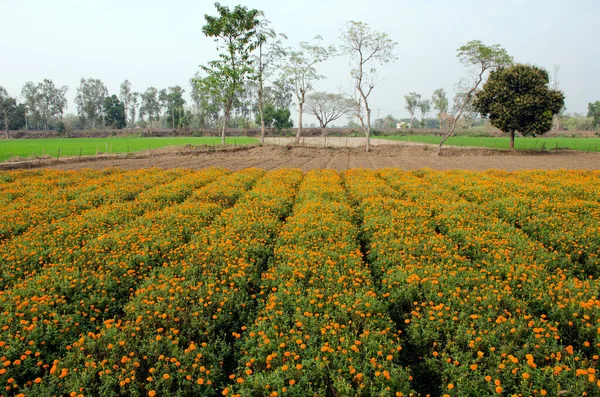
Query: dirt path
{"points": [[383, 155]]}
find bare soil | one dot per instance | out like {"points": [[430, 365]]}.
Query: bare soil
{"points": [[383, 155]]}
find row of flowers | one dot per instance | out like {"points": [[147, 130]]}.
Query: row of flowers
{"points": [[486, 307], [50, 310], [321, 328], [175, 335]]}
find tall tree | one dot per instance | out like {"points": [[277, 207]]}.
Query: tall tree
{"points": [[425, 107], [468, 110], [236, 32], [300, 72], [327, 107], [481, 58], [412, 103], [594, 112], [89, 101], [150, 105], [125, 96], [114, 112], [44, 101], [440, 103], [517, 98], [365, 46], [279, 93], [133, 106], [8, 107], [174, 102]]}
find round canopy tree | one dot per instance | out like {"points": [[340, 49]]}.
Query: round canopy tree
{"points": [[517, 98]]}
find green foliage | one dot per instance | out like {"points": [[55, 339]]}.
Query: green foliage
{"points": [[517, 98], [172, 98], [235, 31], [114, 112], [277, 118], [12, 115], [89, 101], [594, 112], [440, 101], [475, 53]]}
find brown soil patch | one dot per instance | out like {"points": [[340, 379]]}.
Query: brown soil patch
{"points": [[306, 158]]}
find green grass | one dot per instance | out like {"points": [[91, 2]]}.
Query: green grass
{"points": [[584, 144], [26, 148]]}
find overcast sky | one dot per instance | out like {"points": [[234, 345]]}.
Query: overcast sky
{"points": [[160, 43]]}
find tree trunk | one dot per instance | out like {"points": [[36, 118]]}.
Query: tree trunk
{"points": [[299, 132], [368, 133], [448, 134], [262, 116], [512, 141], [226, 121], [411, 121]]}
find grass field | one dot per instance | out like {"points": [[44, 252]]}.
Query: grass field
{"points": [[90, 146], [273, 283], [584, 144]]}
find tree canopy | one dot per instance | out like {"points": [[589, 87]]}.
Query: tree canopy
{"points": [[517, 98]]}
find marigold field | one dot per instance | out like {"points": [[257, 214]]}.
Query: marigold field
{"points": [[283, 283]]}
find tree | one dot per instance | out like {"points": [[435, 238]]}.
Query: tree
{"points": [[277, 118], [328, 107], [207, 99], [114, 112], [481, 58], [425, 107], [89, 101], [594, 112], [301, 74], [270, 51], [279, 93], [44, 101], [172, 100], [236, 31], [468, 110], [440, 103], [8, 107], [150, 105], [517, 98], [365, 46], [133, 106], [412, 103], [126, 96]]}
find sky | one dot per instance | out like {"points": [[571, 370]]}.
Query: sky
{"points": [[160, 43]]}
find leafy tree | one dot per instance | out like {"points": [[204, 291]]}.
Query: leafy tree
{"points": [[277, 118], [236, 31], [469, 114], [150, 105], [301, 74], [365, 46], [8, 110], [594, 112], [425, 107], [517, 98], [328, 107], [206, 95], [412, 103], [89, 101], [440, 103], [114, 112], [174, 103], [44, 101], [482, 58]]}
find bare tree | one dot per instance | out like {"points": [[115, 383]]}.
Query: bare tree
{"points": [[301, 73], [365, 46], [327, 107], [483, 59], [412, 103]]}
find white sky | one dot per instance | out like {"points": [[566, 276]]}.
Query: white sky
{"points": [[160, 43]]}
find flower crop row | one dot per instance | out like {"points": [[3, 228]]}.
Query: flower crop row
{"points": [[177, 330], [321, 329], [469, 291], [49, 311], [58, 241]]}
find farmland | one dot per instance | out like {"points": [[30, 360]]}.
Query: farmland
{"points": [[29, 148], [582, 144], [271, 283]]}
